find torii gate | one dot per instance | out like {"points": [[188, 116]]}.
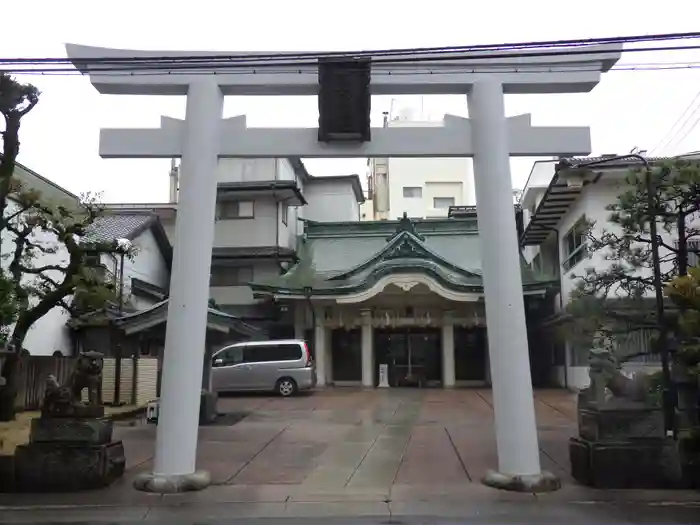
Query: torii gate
{"points": [[487, 136]]}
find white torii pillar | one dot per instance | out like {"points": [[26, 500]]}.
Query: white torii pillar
{"points": [[487, 136], [174, 468], [516, 428]]}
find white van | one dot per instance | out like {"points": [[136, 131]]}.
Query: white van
{"points": [[283, 366]]}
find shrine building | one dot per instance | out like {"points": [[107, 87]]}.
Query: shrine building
{"points": [[406, 293]]}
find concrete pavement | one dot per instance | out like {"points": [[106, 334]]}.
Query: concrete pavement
{"points": [[346, 438], [353, 453]]}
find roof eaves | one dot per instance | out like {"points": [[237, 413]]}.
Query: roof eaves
{"points": [[568, 196], [45, 180]]}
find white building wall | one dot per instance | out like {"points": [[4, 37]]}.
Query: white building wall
{"points": [[331, 201], [437, 177], [246, 170], [592, 203], [259, 230], [242, 295], [285, 171], [48, 334], [169, 227], [147, 264]]}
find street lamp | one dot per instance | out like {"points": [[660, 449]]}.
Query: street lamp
{"points": [[668, 401]]}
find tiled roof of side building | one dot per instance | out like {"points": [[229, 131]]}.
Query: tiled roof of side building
{"points": [[108, 228]]}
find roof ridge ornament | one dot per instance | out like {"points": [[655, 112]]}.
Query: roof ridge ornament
{"points": [[408, 226]]}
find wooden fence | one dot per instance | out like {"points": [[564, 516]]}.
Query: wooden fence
{"points": [[137, 382]]}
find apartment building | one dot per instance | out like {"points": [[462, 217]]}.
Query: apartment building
{"points": [[261, 207], [423, 188]]}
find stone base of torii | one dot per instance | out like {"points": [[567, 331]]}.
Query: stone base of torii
{"points": [[487, 136]]}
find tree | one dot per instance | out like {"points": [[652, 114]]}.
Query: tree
{"points": [[48, 263], [50, 266], [684, 291], [9, 307], [16, 100], [613, 298]]}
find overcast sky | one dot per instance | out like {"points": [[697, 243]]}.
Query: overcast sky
{"points": [[60, 137]]}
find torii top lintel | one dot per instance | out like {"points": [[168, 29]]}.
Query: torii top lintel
{"points": [[554, 73]]}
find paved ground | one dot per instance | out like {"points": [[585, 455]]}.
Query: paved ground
{"points": [[348, 439], [346, 452]]}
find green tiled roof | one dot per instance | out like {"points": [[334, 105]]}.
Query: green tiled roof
{"points": [[342, 258]]}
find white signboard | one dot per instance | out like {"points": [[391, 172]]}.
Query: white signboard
{"points": [[383, 376]]}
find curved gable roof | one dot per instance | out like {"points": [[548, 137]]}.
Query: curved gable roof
{"points": [[403, 245], [340, 262]]}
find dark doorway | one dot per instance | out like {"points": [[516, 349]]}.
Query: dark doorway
{"points": [[470, 354], [346, 346], [414, 355], [543, 353]]}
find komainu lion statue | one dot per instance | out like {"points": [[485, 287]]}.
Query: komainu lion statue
{"points": [[605, 372], [67, 399]]}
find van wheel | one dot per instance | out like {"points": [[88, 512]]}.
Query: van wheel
{"points": [[286, 387]]}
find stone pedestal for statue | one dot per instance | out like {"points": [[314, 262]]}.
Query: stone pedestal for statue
{"points": [[70, 446], [66, 454], [621, 447], [621, 442]]}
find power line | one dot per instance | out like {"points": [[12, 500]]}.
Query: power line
{"points": [[672, 132], [368, 54], [678, 142], [675, 66], [376, 63], [387, 57]]}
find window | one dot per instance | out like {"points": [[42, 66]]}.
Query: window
{"points": [[228, 357], [575, 244], [693, 252], [284, 212], [272, 352], [235, 210], [638, 346], [93, 260], [412, 192], [231, 275], [97, 268], [443, 202]]}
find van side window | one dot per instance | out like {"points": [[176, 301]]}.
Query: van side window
{"points": [[288, 352], [230, 356], [272, 352]]}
